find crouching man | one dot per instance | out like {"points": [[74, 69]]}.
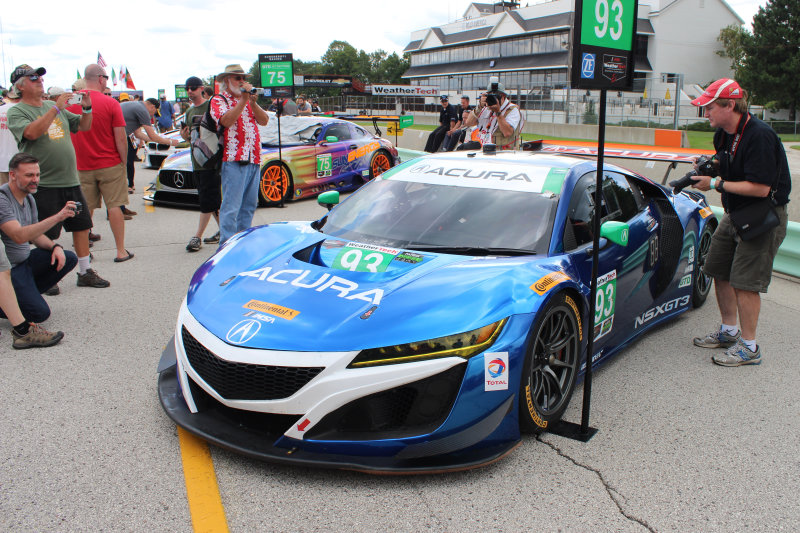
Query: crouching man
{"points": [[33, 270]]}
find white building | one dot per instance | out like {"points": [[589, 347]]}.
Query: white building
{"points": [[529, 47]]}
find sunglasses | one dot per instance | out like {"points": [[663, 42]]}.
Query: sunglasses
{"points": [[33, 77], [238, 78], [102, 76], [192, 87]]}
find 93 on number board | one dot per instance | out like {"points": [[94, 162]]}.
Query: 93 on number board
{"points": [[604, 44]]}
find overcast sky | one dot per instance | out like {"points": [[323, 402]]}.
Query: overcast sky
{"points": [[163, 43]]}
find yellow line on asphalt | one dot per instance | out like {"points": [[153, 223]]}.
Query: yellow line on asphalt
{"points": [[202, 491]]}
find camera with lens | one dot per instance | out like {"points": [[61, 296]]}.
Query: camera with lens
{"points": [[257, 91], [77, 208], [706, 166], [492, 89]]}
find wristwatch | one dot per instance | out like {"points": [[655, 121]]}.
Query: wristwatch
{"points": [[87, 109], [719, 185]]}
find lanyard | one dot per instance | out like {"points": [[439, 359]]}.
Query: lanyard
{"points": [[738, 136]]}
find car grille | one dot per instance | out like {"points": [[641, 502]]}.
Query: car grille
{"points": [[245, 381], [156, 160], [177, 179], [157, 146], [413, 409]]}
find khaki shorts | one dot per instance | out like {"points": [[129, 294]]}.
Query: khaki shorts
{"points": [[746, 264], [109, 183]]}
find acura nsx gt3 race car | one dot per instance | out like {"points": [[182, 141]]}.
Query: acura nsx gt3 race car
{"points": [[433, 316], [317, 154]]}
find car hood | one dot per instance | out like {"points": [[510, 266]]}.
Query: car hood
{"points": [[180, 160], [284, 281]]}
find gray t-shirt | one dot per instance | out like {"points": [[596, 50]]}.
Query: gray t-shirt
{"points": [[25, 214], [135, 115]]}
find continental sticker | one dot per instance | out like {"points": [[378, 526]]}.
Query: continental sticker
{"points": [[271, 309], [495, 371], [549, 281], [706, 212], [571, 303]]}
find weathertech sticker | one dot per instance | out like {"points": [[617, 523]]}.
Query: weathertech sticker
{"points": [[495, 371], [549, 281], [706, 212], [272, 309]]}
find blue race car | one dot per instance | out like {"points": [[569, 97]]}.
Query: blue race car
{"points": [[433, 316]]}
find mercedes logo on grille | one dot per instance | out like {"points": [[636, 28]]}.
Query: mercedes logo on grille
{"points": [[243, 331], [179, 180]]}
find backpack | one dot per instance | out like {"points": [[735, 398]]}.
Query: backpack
{"points": [[206, 139]]}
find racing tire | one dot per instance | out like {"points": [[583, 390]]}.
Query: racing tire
{"points": [[702, 282], [552, 361], [275, 185], [381, 162]]}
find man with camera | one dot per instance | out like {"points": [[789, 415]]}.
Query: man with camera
{"points": [[44, 130], [503, 122], [753, 177], [33, 271], [236, 110], [101, 153]]}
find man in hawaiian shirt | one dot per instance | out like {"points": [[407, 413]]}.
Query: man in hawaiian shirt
{"points": [[237, 111]]}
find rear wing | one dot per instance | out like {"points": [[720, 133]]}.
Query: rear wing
{"points": [[665, 154], [399, 121]]}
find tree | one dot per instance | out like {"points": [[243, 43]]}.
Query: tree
{"points": [[734, 39], [772, 56]]}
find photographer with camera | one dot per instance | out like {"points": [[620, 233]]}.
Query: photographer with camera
{"points": [[33, 271], [502, 120], [237, 111], [753, 179]]}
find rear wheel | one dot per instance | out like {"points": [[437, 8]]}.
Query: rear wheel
{"points": [[275, 185], [551, 365], [702, 282], [380, 163]]}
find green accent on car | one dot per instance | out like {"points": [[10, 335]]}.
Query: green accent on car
{"points": [[554, 181], [616, 232]]}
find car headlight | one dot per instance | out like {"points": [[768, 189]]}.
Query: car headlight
{"points": [[464, 345]]}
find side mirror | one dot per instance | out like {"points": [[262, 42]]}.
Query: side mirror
{"points": [[328, 199], [331, 139], [616, 232]]}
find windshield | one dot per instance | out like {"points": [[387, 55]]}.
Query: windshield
{"points": [[404, 214]]}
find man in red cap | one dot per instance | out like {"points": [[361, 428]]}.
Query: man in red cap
{"points": [[751, 166]]}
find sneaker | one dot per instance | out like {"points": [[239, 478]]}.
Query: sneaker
{"points": [[94, 237], [37, 337], [91, 279], [194, 244], [214, 239], [738, 355], [53, 291], [126, 211], [718, 339]]}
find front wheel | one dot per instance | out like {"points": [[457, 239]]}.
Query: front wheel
{"points": [[551, 365], [380, 163], [275, 185], [702, 282]]}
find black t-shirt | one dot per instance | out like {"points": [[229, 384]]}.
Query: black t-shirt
{"points": [[447, 115], [460, 112], [759, 158]]}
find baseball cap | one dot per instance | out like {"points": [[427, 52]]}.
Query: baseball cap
{"points": [[124, 97], [155, 103], [194, 81], [723, 88], [444, 98], [26, 70], [55, 91]]}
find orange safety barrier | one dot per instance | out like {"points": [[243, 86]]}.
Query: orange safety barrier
{"points": [[668, 138]]}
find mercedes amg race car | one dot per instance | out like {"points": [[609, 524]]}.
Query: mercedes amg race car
{"points": [[317, 154], [431, 317]]}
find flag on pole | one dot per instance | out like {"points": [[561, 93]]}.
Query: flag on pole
{"points": [[128, 80], [101, 61], [122, 75], [79, 73], [113, 76]]}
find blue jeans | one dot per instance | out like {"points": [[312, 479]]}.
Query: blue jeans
{"points": [[34, 276], [239, 198]]}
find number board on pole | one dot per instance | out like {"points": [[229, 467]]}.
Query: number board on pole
{"points": [[277, 74], [181, 94], [603, 44]]}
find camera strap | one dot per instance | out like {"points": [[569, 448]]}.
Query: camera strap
{"points": [[738, 137]]}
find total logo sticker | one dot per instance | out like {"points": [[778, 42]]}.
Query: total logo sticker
{"points": [[495, 371]]}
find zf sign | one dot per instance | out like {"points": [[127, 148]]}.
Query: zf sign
{"points": [[604, 44]]}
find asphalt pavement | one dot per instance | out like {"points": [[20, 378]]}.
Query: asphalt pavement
{"points": [[683, 445]]}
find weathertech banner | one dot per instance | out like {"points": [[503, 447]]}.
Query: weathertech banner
{"points": [[406, 90]]}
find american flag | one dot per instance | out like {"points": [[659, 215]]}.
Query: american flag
{"points": [[101, 61]]}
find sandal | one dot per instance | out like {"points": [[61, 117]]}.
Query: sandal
{"points": [[123, 259]]}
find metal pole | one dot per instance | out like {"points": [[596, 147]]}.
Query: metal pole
{"points": [[587, 376], [678, 89]]}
